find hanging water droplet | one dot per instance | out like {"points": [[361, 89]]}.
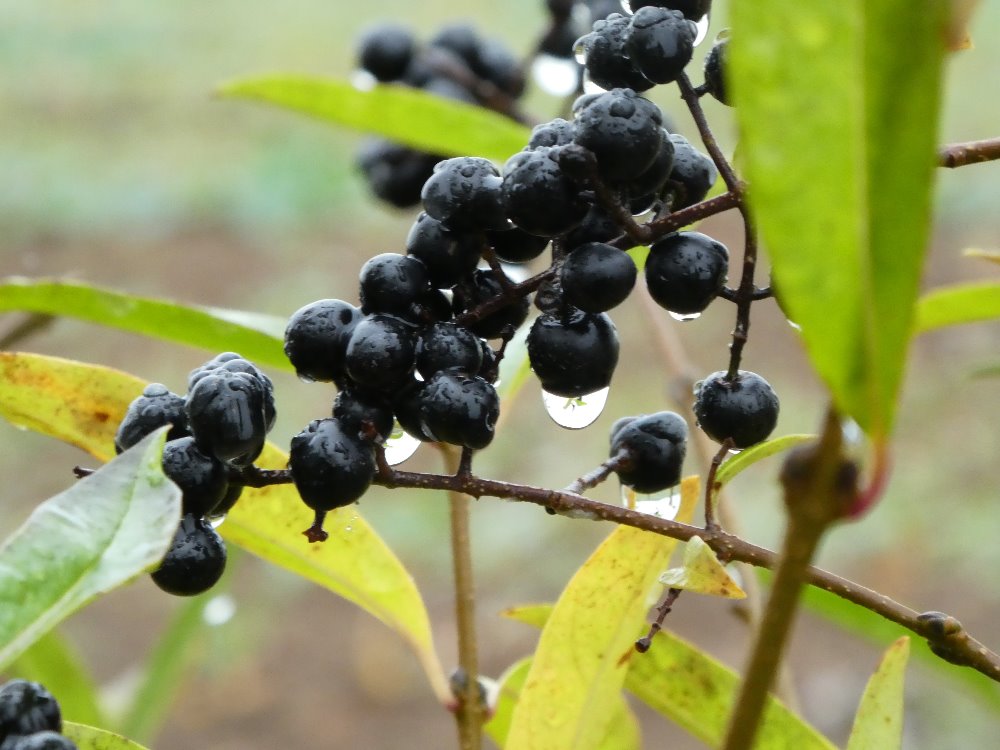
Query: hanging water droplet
{"points": [[219, 610], [702, 27], [628, 497], [216, 521], [400, 445], [626, 7], [685, 317], [557, 76], [575, 413], [665, 504], [305, 378], [589, 87], [362, 80], [735, 451], [580, 52]]}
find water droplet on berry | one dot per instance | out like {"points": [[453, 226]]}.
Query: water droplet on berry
{"points": [[589, 87], [219, 610], [735, 451], [216, 521], [685, 317], [702, 27], [555, 75], [400, 445], [575, 413], [664, 504], [306, 378], [580, 52], [362, 80]]}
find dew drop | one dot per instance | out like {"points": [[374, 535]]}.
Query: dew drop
{"points": [[306, 378], [575, 413], [735, 451], [664, 504], [362, 80], [626, 7], [580, 52], [216, 521], [702, 30], [685, 317], [555, 75], [219, 610], [400, 445], [589, 87]]}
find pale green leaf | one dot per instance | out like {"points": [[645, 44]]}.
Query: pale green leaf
{"points": [[91, 738], [838, 131], [586, 646], [257, 337], [54, 662], [100, 533], [747, 458], [82, 404], [878, 724], [953, 305], [702, 573], [402, 114]]}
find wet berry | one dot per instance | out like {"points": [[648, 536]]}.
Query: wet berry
{"points": [[557, 132], [391, 283], [27, 707], [685, 271], [514, 245], [201, 477], [380, 353], [195, 561], [744, 410], [459, 409], [573, 354], [332, 467], [226, 415], [155, 408], [385, 51], [538, 196], [46, 740], [660, 43], [596, 277], [464, 193], [656, 444], [395, 173], [447, 255], [362, 411], [444, 346], [623, 131], [715, 69], [316, 338], [692, 9], [694, 172], [604, 53], [481, 287]]}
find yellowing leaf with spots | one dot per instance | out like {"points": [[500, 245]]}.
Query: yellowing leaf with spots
{"points": [[578, 670], [702, 573], [879, 722]]}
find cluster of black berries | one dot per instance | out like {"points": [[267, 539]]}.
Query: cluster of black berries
{"points": [[456, 64], [217, 429], [30, 718]]}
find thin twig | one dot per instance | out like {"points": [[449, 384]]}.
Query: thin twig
{"points": [[601, 473], [973, 152]]}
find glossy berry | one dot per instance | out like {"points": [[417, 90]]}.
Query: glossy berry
{"points": [[406, 404], [694, 171], [385, 51], [445, 346], [481, 287], [692, 9], [744, 410], [573, 354], [226, 416], [557, 132], [46, 740], [195, 561], [604, 53], [538, 196], [155, 408], [395, 174], [660, 43], [27, 707], [514, 245], [656, 444], [201, 477], [464, 193], [331, 466], [715, 69], [228, 501], [391, 283], [651, 181], [596, 277], [447, 255], [316, 338], [380, 354], [685, 271], [363, 411], [234, 362], [623, 131], [459, 409]]}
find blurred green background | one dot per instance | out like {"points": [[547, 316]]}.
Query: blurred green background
{"points": [[122, 170]]}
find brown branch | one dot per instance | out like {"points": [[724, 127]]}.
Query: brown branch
{"points": [[663, 226], [972, 152]]}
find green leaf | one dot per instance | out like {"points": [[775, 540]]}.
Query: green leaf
{"points": [[878, 724], [841, 182], [82, 404], [586, 646], [54, 662], [102, 532], [695, 691], [257, 337], [405, 115], [953, 305], [747, 458], [91, 738], [623, 731]]}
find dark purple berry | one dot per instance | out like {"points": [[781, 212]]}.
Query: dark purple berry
{"points": [[715, 69], [459, 409], [195, 561], [233, 362], [380, 354], [514, 245], [660, 43], [743, 410], [649, 184], [27, 707], [155, 408], [464, 193], [685, 271], [445, 345], [692, 9], [448, 255], [538, 196], [316, 339], [605, 59], [395, 174], [557, 132], [694, 172], [481, 287], [226, 416], [201, 477], [623, 131], [332, 467], [391, 283], [385, 51], [364, 412], [655, 444], [573, 354], [596, 277]]}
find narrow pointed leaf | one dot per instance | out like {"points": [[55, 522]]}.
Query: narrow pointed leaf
{"points": [[878, 724], [953, 305], [747, 458], [91, 738], [257, 337], [54, 662], [82, 404], [405, 115], [702, 573], [841, 182], [586, 646], [102, 532]]}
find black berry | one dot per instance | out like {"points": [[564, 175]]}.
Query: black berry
{"points": [[447, 255], [46, 740], [692, 9], [380, 354], [364, 412], [693, 171], [685, 271], [195, 561], [744, 410], [391, 283], [481, 287], [395, 173], [332, 467], [514, 245], [445, 345], [604, 55], [715, 69], [464, 193], [459, 409], [660, 43], [155, 408], [623, 131], [201, 477], [316, 338], [226, 416], [385, 51], [573, 354], [538, 197], [596, 277], [655, 444], [27, 707]]}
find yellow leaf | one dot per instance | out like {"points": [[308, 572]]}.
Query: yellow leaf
{"points": [[879, 721], [702, 573]]}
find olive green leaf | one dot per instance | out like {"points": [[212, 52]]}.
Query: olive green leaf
{"points": [[102, 532], [878, 724], [257, 337], [747, 458], [92, 738], [405, 115], [953, 305], [82, 405], [838, 131], [585, 648], [702, 573]]}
